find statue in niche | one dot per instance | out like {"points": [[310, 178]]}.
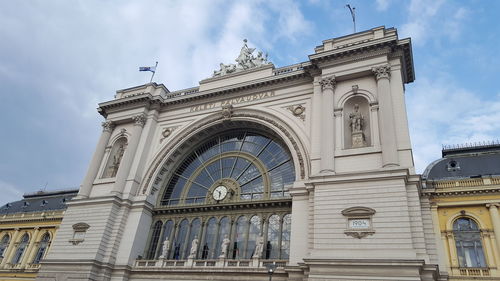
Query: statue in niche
{"points": [[356, 122], [224, 246], [117, 158], [194, 248], [164, 249], [259, 247]]}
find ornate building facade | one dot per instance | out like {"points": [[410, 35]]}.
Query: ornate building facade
{"points": [[304, 171], [464, 190], [27, 228]]}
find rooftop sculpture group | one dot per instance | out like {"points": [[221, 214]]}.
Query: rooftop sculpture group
{"points": [[245, 60]]}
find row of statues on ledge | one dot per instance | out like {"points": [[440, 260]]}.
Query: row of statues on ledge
{"points": [[246, 60], [224, 248]]}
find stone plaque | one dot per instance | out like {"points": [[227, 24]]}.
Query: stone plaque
{"points": [[359, 223]]}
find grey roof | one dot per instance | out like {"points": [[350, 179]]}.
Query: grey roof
{"points": [[465, 162], [40, 201]]}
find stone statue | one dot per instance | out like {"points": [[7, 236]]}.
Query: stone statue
{"points": [[259, 247], [224, 246], [356, 120], [164, 249], [117, 158], [245, 60], [194, 248]]}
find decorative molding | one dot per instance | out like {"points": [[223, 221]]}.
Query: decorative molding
{"points": [[328, 83], [358, 234], [140, 119], [107, 126], [298, 111], [79, 231], [383, 71], [359, 221]]}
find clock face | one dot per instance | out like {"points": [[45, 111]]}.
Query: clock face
{"points": [[219, 192]]}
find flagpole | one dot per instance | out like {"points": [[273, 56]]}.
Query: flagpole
{"points": [[153, 73]]}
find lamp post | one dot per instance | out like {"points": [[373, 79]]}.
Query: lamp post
{"points": [[270, 270]]}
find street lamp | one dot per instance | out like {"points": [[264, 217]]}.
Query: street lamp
{"points": [[270, 270]]}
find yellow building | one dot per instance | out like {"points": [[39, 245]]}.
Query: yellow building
{"points": [[463, 188], [27, 228]]}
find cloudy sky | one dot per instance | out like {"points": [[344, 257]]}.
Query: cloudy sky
{"points": [[58, 59]]}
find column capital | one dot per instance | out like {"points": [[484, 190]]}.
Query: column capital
{"points": [[328, 82], [382, 71], [140, 119], [492, 205], [108, 126]]}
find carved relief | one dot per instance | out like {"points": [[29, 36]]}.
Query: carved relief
{"points": [[167, 132], [227, 111], [139, 119], [108, 126], [328, 83], [298, 111], [245, 60], [383, 71]]}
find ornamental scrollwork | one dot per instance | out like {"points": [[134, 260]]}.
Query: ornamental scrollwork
{"points": [[108, 126], [298, 111], [139, 119], [383, 71], [328, 83]]}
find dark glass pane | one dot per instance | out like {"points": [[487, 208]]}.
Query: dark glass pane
{"points": [[273, 236], [224, 228], [155, 236], [180, 240], [239, 246], [285, 237], [208, 251]]}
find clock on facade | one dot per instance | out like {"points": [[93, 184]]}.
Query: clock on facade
{"points": [[219, 192]]}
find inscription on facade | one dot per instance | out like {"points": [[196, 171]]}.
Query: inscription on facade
{"points": [[232, 101], [359, 223]]}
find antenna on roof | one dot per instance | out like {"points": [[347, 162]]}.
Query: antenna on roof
{"points": [[353, 15], [45, 187]]}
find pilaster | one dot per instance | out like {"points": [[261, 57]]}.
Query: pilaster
{"points": [[316, 127], [327, 123], [495, 219]]}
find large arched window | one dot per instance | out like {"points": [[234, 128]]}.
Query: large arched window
{"points": [[468, 242], [4, 243], [155, 236], [42, 248], [251, 166], [20, 249]]}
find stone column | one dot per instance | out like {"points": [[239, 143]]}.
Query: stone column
{"points": [[128, 156], [488, 249], [95, 163], [442, 254], [27, 252], [495, 219], [386, 116], [316, 127], [328, 137], [12, 245], [374, 125], [299, 230], [452, 248]]}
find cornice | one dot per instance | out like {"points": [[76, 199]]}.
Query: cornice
{"points": [[147, 100], [433, 192]]}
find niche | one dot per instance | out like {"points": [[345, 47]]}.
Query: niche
{"points": [[356, 114], [115, 158]]}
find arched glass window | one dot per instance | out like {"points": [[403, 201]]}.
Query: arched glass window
{"points": [[208, 250], [253, 234], [285, 237], [20, 249], [4, 243], [224, 229], [167, 231], [239, 246], [42, 248], [194, 232], [273, 236], [468, 242], [259, 166], [155, 236], [180, 240]]}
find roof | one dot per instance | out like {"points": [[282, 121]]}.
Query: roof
{"points": [[40, 201], [466, 161]]}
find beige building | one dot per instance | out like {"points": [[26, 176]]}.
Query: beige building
{"points": [[303, 171], [464, 190], [27, 228]]}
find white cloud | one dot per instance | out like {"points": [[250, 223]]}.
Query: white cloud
{"points": [[382, 5], [442, 114]]}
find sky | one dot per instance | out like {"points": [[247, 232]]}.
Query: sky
{"points": [[59, 59]]}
